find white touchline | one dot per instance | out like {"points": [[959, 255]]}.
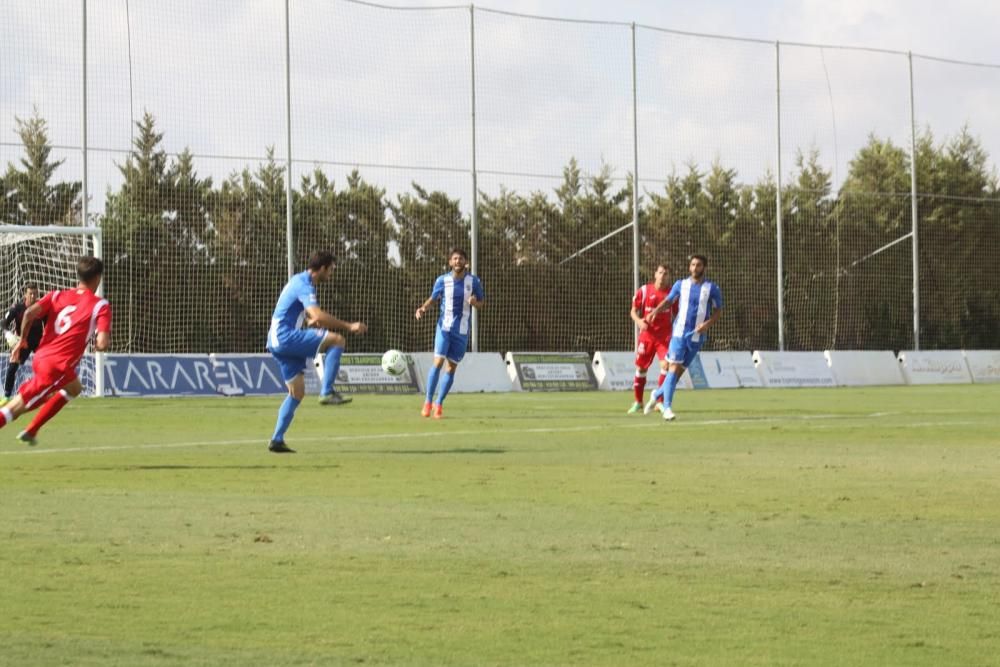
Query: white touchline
{"points": [[555, 429]]}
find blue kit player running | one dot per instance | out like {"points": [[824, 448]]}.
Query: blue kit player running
{"points": [[699, 306], [459, 292], [293, 347]]}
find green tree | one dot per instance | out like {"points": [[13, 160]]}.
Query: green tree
{"points": [[30, 196], [157, 238]]}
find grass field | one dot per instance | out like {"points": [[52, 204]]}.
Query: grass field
{"points": [[785, 527]]}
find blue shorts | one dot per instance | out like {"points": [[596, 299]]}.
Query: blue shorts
{"points": [[451, 346], [295, 350], [683, 350]]}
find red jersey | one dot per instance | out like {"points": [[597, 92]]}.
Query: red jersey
{"points": [[73, 317], [645, 300]]}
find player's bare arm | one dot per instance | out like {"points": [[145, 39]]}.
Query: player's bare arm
{"points": [[30, 315], [476, 303], [422, 308], [703, 327], [639, 322], [102, 342], [660, 307], [320, 318]]}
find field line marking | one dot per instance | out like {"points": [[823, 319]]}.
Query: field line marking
{"points": [[486, 432]]}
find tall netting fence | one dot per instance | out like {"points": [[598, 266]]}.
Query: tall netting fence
{"points": [[554, 140], [416, 130], [186, 130], [958, 142], [845, 141], [708, 175], [41, 121], [382, 139]]}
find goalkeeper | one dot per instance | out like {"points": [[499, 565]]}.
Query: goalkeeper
{"points": [[12, 332]]}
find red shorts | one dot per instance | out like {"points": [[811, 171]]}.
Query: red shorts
{"points": [[647, 347], [45, 381]]}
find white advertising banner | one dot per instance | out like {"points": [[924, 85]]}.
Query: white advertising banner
{"points": [[550, 371], [934, 367], [615, 371], [793, 369], [745, 368], [720, 369], [478, 372], [984, 365], [864, 368]]}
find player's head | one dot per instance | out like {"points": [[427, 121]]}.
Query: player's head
{"points": [[457, 259], [661, 276], [321, 264], [30, 294], [697, 265], [90, 270]]}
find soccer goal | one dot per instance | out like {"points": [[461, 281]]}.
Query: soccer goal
{"points": [[46, 257]]}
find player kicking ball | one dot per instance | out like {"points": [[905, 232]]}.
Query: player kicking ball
{"points": [[73, 316], [293, 347], [459, 292], [654, 336], [699, 307]]}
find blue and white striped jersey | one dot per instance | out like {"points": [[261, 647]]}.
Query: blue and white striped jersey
{"points": [[695, 303], [454, 294]]}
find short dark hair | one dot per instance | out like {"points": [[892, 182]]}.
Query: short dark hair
{"points": [[664, 265], [704, 260], [320, 259], [457, 250], [29, 286], [89, 268]]}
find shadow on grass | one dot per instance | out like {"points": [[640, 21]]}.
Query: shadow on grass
{"points": [[429, 452], [127, 468]]}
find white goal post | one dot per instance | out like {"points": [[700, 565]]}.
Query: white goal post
{"points": [[46, 257]]}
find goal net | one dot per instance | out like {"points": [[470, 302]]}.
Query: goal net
{"points": [[46, 257]]}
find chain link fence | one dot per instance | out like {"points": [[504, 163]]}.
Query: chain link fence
{"points": [[569, 157]]}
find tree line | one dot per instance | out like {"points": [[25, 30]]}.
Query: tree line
{"points": [[195, 266]]}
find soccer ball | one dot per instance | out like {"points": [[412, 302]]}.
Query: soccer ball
{"points": [[394, 363], [12, 339]]}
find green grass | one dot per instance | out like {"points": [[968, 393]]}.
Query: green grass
{"points": [[779, 527]]}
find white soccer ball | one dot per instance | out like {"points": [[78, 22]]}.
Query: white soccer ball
{"points": [[394, 363], [11, 338]]}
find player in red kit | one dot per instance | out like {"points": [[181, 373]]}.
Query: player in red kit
{"points": [[73, 316], [654, 336]]}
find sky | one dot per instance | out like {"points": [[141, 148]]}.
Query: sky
{"points": [[389, 91]]}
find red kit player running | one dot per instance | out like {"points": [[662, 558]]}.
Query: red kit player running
{"points": [[654, 337], [73, 315]]}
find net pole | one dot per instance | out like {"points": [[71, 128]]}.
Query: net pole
{"points": [[635, 179], [288, 146], [474, 223], [913, 211], [86, 183], [778, 227]]}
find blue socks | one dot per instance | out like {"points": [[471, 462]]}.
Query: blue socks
{"points": [[285, 414], [331, 364], [671, 386], [667, 389], [432, 381], [446, 382]]}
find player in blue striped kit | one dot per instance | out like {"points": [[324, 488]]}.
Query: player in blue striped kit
{"points": [[459, 292], [699, 306]]}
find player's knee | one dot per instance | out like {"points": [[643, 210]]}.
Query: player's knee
{"points": [[334, 340]]}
